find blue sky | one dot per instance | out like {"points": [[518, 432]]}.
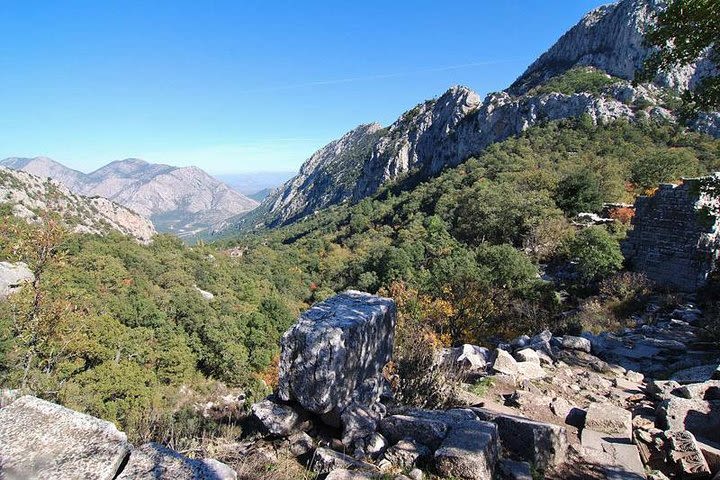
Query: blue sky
{"points": [[239, 86]]}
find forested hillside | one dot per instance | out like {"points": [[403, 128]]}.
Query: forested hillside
{"points": [[122, 331]]}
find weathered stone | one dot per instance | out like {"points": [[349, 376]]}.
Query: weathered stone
{"points": [[359, 423], [345, 474], [470, 451], [711, 452], [275, 418], [12, 276], [513, 470], [42, 440], [426, 431], [634, 376], [560, 407], [606, 418], [406, 453], [684, 452], [530, 370], [505, 363], [155, 462], [301, 444], [375, 445], [576, 343], [326, 460], [615, 456], [672, 242], [335, 353], [709, 390], [416, 474], [527, 355], [473, 358], [701, 417], [697, 374], [542, 444], [662, 389]]}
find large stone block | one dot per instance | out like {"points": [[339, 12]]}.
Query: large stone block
{"points": [[335, 353], [155, 462], [42, 440], [606, 418], [470, 451], [542, 444], [12, 276]]}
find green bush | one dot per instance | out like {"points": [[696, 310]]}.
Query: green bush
{"points": [[595, 253]]}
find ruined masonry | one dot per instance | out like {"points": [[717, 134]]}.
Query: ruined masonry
{"points": [[676, 235]]}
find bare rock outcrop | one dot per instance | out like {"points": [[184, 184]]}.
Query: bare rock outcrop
{"points": [[334, 355], [12, 276]]}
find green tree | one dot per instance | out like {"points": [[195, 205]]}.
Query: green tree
{"points": [[596, 254], [578, 192], [684, 31]]}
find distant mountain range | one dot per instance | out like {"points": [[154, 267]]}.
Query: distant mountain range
{"points": [[29, 195], [606, 47], [185, 201], [256, 185]]}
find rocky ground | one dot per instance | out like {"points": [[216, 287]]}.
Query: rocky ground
{"points": [[642, 403]]}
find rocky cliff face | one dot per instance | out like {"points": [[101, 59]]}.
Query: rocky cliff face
{"points": [[459, 124], [184, 201], [29, 194]]}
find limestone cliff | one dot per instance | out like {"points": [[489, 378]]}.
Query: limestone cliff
{"points": [[29, 194], [448, 130]]}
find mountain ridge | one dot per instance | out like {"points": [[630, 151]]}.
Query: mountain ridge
{"points": [[446, 131], [183, 200]]}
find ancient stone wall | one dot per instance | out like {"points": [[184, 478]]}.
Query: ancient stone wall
{"points": [[676, 236]]}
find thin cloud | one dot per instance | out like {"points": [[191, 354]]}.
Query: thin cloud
{"points": [[383, 76]]}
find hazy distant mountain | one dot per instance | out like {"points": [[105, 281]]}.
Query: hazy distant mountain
{"points": [[180, 200], [29, 194], [256, 185]]}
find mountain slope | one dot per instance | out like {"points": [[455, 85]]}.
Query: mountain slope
{"points": [[184, 201], [30, 194], [594, 63]]}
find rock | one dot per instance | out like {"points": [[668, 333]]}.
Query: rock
{"points": [[326, 460], [684, 452], [560, 407], [426, 431], [542, 444], [520, 342], [12, 276], [473, 358], [335, 353], [698, 416], [527, 355], [345, 474], [530, 370], [697, 374], [576, 343], [662, 389], [634, 376], [155, 462], [375, 445], [416, 474], [606, 418], [301, 444], [8, 395], [709, 390], [513, 470], [716, 373], [359, 423], [504, 363], [469, 451], [406, 453], [275, 419], [42, 440], [711, 454]]}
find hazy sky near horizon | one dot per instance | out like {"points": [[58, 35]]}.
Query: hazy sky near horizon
{"points": [[245, 86]]}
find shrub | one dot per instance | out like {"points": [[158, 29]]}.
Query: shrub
{"points": [[596, 254], [578, 192]]}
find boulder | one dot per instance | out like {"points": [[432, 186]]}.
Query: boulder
{"points": [[527, 355], [326, 460], [697, 374], [685, 453], [701, 417], [276, 419], [470, 451], [42, 440], [513, 470], [607, 418], [406, 453], [301, 444], [155, 462], [359, 424], [505, 363], [709, 390], [12, 276], [428, 427], [335, 353], [345, 474], [576, 343], [542, 444], [472, 358]]}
